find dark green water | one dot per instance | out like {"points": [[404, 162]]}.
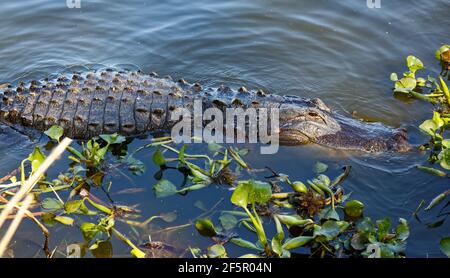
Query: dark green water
{"points": [[340, 51]]}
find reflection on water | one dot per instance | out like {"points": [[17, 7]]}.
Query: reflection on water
{"points": [[340, 51]]}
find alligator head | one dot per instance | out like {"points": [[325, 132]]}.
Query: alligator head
{"points": [[315, 123]]}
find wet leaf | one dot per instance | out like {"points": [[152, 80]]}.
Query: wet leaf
{"points": [[383, 226], [228, 221], [89, 230], [296, 242], [158, 158], [214, 147], [205, 227], [429, 127], [72, 206], [414, 63], [441, 50], [245, 244], [354, 209], [169, 216], [135, 166], [217, 251], [113, 138], [164, 188], [437, 200], [320, 167], [329, 229], [55, 132], [394, 77], [432, 171], [102, 249], [51, 204], [402, 229], [444, 245], [299, 187], [36, 158], [65, 220], [251, 192], [293, 220], [405, 85]]}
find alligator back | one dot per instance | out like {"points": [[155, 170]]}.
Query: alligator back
{"points": [[109, 101]]}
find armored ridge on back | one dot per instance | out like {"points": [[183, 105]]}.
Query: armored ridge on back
{"points": [[134, 103]]}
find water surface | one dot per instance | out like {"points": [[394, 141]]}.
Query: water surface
{"points": [[339, 51]]}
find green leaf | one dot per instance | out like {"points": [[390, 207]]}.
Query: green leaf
{"points": [[437, 200], [102, 249], [402, 229], [405, 85], [205, 227], [414, 63], [214, 147], [55, 132], [228, 221], [383, 226], [296, 242], [329, 229], [433, 171], [72, 206], [164, 188], [51, 204], [65, 220], [217, 251], [36, 158], [444, 245], [444, 159], [89, 230], [441, 50], [299, 187], [158, 158], [429, 127], [320, 167], [293, 220], [113, 138], [245, 244], [394, 77], [251, 192], [354, 208], [137, 253]]}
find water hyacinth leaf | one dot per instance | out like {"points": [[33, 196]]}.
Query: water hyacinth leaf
{"points": [[405, 85], [217, 251], [205, 227], [228, 221], [102, 249], [72, 206], [429, 127], [365, 226], [354, 208], [65, 220], [436, 200], [441, 50], [383, 226], [89, 230], [278, 239], [51, 204], [113, 138], [299, 187], [245, 244], [251, 192], [164, 188], [444, 245], [135, 166], [325, 180], [329, 229], [158, 158], [36, 158], [214, 147], [414, 63], [54, 132], [432, 171], [320, 167], [296, 242], [402, 229], [293, 220], [393, 77]]}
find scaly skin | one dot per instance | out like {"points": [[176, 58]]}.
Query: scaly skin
{"points": [[134, 103]]}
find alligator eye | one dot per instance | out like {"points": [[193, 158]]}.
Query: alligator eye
{"points": [[313, 114]]}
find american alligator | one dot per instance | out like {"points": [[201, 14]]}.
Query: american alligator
{"points": [[134, 103]]}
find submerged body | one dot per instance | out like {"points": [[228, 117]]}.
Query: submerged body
{"points": [[134, 103]]}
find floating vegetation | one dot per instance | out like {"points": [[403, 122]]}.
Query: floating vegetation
{"points": [[436, 92], [312, 218]]}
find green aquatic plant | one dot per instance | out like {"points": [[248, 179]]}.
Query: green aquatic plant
{"points": [[435, 91]]}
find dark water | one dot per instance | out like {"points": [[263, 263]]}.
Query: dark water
{"points": [[340, 51]]}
